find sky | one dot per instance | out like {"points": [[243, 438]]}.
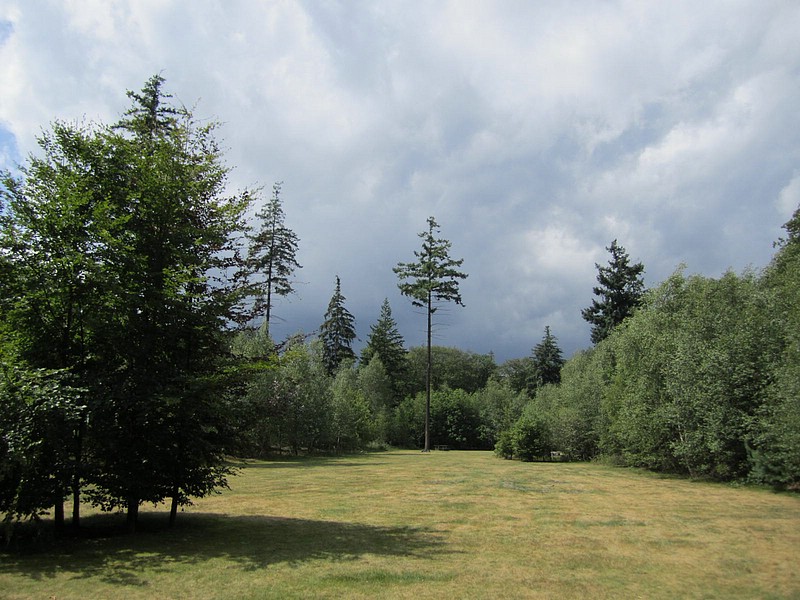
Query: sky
{"points": [[534, 132]]}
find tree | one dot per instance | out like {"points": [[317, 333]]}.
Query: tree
{"points": [[117, 241], [620, 291], [174, 302], [337, 332], [272, 255], [378, 390], [387, 344], [39, 411], [450, 367], [547, 360], [61, 231], [304, 394], [349, 415], [516, 373], [775, 443], [433, 278]]}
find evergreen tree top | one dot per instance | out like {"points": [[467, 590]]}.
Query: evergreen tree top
{"points": [[620, 291], [150, 116], [435, 275]]}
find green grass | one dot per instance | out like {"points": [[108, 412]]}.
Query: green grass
{"points": [[442, 525]]}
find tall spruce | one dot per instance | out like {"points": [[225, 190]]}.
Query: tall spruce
{"points": [[620, 292], [387, 344], [337, 332], [272, 256], [433, 278], [547, 360]]}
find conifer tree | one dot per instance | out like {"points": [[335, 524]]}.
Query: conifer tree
{"points": [[387, 344], [547, 360], [433, 278], [337, 332], [620, 291], [272, 256]]}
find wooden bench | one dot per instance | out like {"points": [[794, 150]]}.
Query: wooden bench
{"points": [[440, 447]]}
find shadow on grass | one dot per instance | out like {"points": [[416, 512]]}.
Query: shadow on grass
{"points": [[250, 542], [278, 464]]}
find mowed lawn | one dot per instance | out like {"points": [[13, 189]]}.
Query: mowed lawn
{"points": [[442, 525]]}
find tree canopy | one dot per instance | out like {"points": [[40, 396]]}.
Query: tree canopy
{"points": [[620, 291], [337, 332], [271, 256], [116, 243], [547, 360]]}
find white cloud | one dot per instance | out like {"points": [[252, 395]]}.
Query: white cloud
{"points": [[535, 132], [789, 198]]}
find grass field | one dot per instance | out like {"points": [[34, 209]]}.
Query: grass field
{"points": [[443, 525]]}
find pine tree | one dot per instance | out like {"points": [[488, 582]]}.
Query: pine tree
{"points": [[433, 278], [547, 361], [387, 344], [337, 332], [620, 291], [272, 256]]}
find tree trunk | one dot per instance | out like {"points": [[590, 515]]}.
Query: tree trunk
{"points": [[58, 512], [428, 383], [76, 502], [132, 517], [173, 509], [76, 478]]}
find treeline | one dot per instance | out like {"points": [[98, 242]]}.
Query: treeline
{"points": [[288, 402], [703, 379], [131, 360], [135, 353]]}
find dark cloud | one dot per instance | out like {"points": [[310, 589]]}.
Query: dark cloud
{"points": [[534, 132]]}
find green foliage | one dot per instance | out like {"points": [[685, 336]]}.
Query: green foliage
{"points": [[620, 290], [302, 400], [455, 420], [451, 367], [530, 438], [516, 373], [40, 413], [337, 332], [386, 343], [378, 391], [349, 412], [500, 407], [504, 446], [116, 243], [547, 361], [775, 449], [574, 407], [691, 372], [700, 380], [433, 278]]}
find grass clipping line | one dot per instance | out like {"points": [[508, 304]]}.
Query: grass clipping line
{"points": [[439, 525]]}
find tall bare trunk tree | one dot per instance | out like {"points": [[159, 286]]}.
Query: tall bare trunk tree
{"points": [[433, 278]]}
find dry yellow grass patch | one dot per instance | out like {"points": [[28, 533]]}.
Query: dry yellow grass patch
{"points": [[443, 525]]}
